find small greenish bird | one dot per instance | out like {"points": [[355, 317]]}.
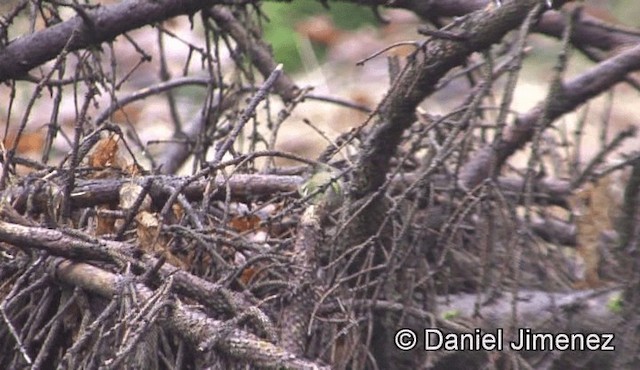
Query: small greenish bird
{"points": [[324, 186]]}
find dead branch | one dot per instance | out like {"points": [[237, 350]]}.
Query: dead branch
{"points": [[566, 98], [419, 80], [297, 314], [588, 30], [80, 246], [91, 27], [88, 193], [257, 49], [190, 324]]}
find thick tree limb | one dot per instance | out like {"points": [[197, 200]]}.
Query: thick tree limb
{"points": [[88, 193], [397, 111], [582, 311], [190, 324], [58, 243], [545, 191], [297, 314], [92, 28], [197, 327], [258, 51], [23, 54], [588, 31], [539, 310], [420, 80], [568, 97]]}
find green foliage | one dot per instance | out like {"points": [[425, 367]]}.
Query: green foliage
{"points": [[280, 31], [450, 315], [615, 304]]}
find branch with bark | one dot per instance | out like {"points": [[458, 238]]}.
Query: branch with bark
{"points": [[565, 99], [190, 323]]}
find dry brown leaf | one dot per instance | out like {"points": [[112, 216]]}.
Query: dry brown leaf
{"points": [[247, 275], [106, 154], [245, 223], [178, 211], [147, 230], [129, 193], [133, 169], [105, 224], [593, 206]]}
